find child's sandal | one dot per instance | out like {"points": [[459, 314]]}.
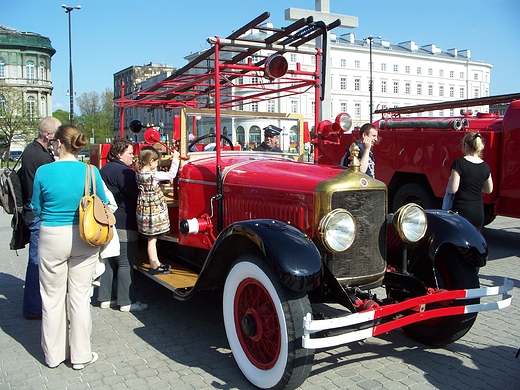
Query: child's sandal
{"points": [[159, 270]]}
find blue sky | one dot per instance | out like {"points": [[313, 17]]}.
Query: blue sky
{"points": [[110, 35]]}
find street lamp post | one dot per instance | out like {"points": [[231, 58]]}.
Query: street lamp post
{"points": [[371, 83], [68, 10]]}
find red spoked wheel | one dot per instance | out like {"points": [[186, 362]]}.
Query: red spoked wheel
{"points": [[264, 325], [257, 324]]}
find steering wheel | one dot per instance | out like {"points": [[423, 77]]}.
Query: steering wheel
{"points": [[198, 139]]}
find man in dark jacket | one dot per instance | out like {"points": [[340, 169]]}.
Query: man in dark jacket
{"points": [[35, 154], [271, 138]]}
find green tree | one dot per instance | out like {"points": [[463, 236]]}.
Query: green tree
{"points": [[17, 119], [97, 115], [62, 116]]}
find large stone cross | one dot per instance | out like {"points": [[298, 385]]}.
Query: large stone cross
{"points": [[322, 13]]}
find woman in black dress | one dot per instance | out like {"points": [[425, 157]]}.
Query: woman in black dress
{"points": [[470, 177]]}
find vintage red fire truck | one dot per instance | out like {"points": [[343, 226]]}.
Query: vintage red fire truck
{"points": [[414, 154], [278, 233]]}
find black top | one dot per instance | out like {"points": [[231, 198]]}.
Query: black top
{"points": [[468, 198], [264, 148], [120, 180], [34, 156]]}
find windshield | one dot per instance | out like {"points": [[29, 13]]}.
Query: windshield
{"points": [[244, 131]]}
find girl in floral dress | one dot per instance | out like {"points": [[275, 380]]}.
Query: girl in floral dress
{"points": [[152, 211]]}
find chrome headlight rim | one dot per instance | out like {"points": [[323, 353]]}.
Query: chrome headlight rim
{"points": [[337, 230], [410, 222]]}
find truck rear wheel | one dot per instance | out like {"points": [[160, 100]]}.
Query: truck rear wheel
{"points": [[452, 273], [264, 325], [414, 193]]}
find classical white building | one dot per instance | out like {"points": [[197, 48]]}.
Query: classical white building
{"points": [[403, 74], [25, 63]]}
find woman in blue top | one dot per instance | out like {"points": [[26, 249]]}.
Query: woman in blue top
{"points": [[66, 261]]}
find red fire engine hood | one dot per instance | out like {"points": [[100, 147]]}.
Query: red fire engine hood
{"points": [[276, 174]]}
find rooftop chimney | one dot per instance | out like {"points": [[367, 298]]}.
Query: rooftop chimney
{"points": [[410, 45]]}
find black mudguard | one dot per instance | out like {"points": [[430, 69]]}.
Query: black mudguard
{"points": [[445, 227], [291, 254]]}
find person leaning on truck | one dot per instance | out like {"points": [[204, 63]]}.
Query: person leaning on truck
{"points": [[367, 139], [271, 138], [470, 177]]}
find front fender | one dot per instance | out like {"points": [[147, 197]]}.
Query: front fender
{"points": [[445, 227], [291, 254]]}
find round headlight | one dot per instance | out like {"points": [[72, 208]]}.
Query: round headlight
{"points": [[337, 230], [410, 222]]}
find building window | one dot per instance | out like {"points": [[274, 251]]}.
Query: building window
{"points": [[294, 106], [343, 62], [2, 106], [407, 69], [452, 112], [270, 106], [31, 106], [293, 58], [441, 90], [357, 84], [42, 71], [254, 80], [419, 70], [430, 72], [462, 75], [254, 107], [357, 109], [383, 66], [396, 68], [475, 93], [407, 87], [430, 113], [475, 76], [461, 92], [396, 87], [357, 64], [430, 90], [313, 107], [29, 70], [419, 89], [343, 83], [254, 135], [2, 68], [343, 107], [441, 73], [241, 80], [452, 92], [452, 74], [43, 106], [240, 107], [313, 60], [383, 86]]}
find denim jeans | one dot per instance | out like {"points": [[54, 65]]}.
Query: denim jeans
{"points": [[117, 280], [32, 300]]}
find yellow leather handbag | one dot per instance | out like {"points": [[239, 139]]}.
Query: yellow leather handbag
{"points": [[96, 221]]}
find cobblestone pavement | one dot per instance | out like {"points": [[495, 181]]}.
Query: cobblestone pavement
{"points": [[182, 345]]}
